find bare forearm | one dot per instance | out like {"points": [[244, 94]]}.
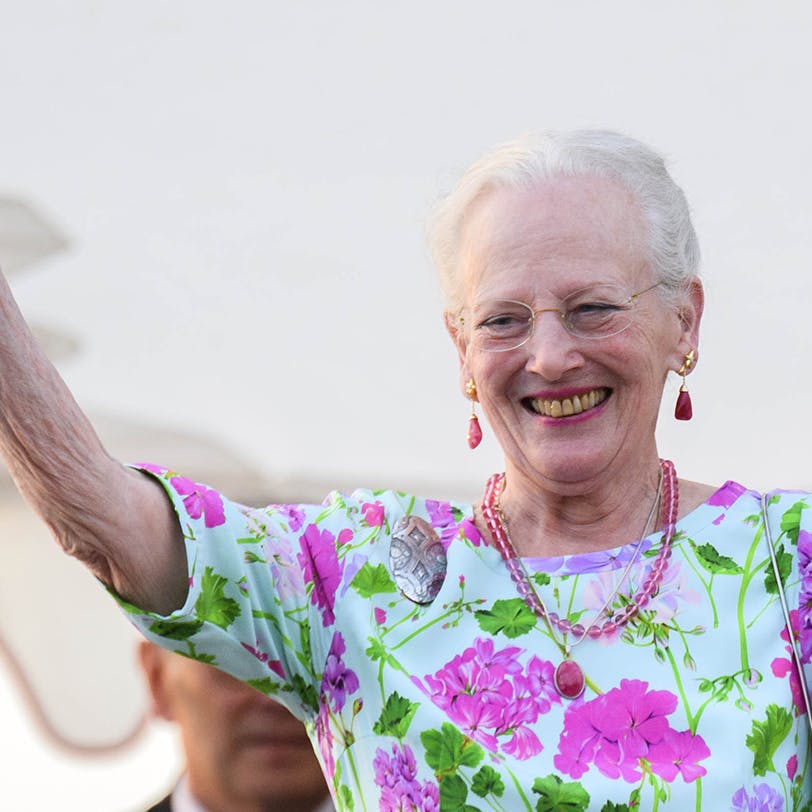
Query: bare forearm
{"points": [[115, 520]]}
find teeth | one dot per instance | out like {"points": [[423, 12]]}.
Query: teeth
{"points": [[569, 406]]}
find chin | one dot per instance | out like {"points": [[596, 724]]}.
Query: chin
{"points": [[569, 467]]}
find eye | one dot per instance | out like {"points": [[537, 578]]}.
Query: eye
{"points": [[594, 308], [506, 319], [502, 321]]}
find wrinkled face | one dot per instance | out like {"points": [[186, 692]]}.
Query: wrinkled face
{"points": [[243, 749], [566, 409]]}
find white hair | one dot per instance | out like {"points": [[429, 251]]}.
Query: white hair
{"points": [[527, 161]]}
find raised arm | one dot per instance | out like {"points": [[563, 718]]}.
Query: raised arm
{"points": [[117, 521]]}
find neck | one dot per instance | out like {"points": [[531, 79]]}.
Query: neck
{"points": [[549, 519]]}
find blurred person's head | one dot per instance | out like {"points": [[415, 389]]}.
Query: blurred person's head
{"points": [[244, 752]]}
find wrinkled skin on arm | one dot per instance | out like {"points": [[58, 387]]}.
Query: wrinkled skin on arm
{"points": [[115, 520]]}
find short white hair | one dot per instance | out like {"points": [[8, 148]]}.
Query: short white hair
{"points": [[527, 161]]}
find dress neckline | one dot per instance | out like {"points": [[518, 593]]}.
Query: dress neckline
{"points": [[729, 497]]}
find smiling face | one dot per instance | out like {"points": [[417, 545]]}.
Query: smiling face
{"points": [[244, 751], [568, 411]]}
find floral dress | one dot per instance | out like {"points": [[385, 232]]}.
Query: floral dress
{"points": [[450, 704]]}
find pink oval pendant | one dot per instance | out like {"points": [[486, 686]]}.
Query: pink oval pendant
{"points": [[568, 679]]}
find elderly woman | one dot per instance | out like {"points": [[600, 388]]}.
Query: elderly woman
{"points": [[594, 634]]}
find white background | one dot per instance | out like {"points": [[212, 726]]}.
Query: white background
{"points": [[245, 185]]}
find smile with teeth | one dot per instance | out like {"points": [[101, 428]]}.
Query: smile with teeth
{"points": [[569, 406]]}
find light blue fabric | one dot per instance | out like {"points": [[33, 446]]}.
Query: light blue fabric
{"points": [[694, 705]]}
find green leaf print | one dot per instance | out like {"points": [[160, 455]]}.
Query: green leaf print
{"points": [[556, 796], [610, 806], [347, 801], [212, 604], [540, 578], [376, 650], [305, 691], [710, 558], [791, 521], [447, 749], [512, 617], [173, 630], [304, 641], [266, 685], [453, 794], [371, 581], [766, 738], [784, 560], [488, 782], [250, 557], [395, 717]]}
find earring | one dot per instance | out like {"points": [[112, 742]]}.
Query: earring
{"points": [[684, 409], [474, 429]]}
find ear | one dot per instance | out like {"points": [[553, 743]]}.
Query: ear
{"points": [[690, 316], [456, 330], [153, 664]]}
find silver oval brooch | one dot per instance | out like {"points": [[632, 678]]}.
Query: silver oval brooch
{"points": [[417, 559]]}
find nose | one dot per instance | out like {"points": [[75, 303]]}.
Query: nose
{"points": [[552, 350]]}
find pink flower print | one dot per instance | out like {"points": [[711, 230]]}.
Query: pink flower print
{"points": [[338, 682], [158, 470], [401, 790], [726, 495], [373, 513], [781, 666], [615, 730], [596, 593], [673, 590], [469, 531], [491, 698], [763, 799], [538, 682], [290, 515], [635, 717], [274, 665], [351, 569], [523, 744], [319, 562], [286, 573], [324, 738], [805, 598], [441, 516], [580, 739], [678, 753], [200, 500], [380, 615], [792, 767]]}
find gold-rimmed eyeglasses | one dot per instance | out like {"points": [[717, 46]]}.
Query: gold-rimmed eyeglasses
{"points": [[599, 311]]}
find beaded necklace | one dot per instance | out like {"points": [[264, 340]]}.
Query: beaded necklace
{"points": [[569, 677]]}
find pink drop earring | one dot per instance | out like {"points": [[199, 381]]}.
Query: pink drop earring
{"points": [[684, 409], [474, 429]]}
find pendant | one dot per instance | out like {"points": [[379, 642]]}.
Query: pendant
{"points": [[569, 679]]}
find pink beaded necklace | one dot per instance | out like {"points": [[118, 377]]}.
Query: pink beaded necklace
{"points": [[569, 677]]}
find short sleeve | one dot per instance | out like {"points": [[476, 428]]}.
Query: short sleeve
{"points": [[261, 587]]}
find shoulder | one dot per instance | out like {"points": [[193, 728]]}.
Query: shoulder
{"points": [[387, 507]]}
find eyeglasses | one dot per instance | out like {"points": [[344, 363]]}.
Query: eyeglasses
{"points": [[600, 311]]}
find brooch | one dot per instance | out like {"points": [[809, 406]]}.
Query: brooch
{"points": [[417, 559]]}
